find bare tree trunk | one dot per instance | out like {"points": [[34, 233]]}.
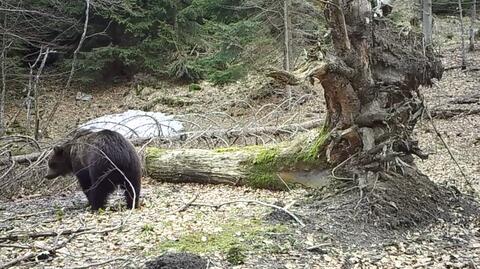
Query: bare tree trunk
{"points": [[4, 90], [4, 79], [462, 34], [30, 89], [36, 94], [287, 35], [418, 11], [287, 61], [427, 22], [473, 18]]}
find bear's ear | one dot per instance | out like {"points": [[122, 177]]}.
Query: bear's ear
{"points": [[57, 149]]}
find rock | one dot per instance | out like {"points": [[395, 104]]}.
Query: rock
{"points": [[83, 97], [180, 260]]}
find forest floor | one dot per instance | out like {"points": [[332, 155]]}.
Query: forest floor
{"points": [[181, 217]]}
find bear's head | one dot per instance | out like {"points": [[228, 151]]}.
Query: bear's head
{"points": [[58, 163]]}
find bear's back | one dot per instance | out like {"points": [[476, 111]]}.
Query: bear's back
{"points": [[101, 148]]}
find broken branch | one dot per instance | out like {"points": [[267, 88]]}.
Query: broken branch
{"points": [[256, 202]]}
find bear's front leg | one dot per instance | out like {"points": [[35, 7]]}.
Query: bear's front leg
{"points": [[99, 192], [84, 180]]}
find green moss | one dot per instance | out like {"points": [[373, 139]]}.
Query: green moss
{"points": [[267, 157], [263, 173], [232, 237], [252, 148], [312, 154], [154, 152], [236, 255], [269, 161], [194, 87]]}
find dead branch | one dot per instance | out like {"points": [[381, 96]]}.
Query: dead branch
{"points": [[17, 236], [453, 112], [22, 138], [30, 88], [284, 77], [293, 216], [23, 158], [234, 132], [26, 215], [99, 263], [189, 203], [310, 70], [36, 12], [316, 247], [3, 91], [31, 255], [466, 99], [467, 180], [15, 246]]}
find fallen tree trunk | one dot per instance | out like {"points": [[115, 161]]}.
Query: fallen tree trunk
{"points": [[272, 167], [23, 158]]}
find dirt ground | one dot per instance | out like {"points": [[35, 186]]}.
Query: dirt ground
{"points": [[246, 235]]}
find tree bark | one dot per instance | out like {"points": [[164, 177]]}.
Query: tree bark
{"points": [[427, 22], [3, 77], [287, 35], [473, 18], [462, 34], [272, 167]]}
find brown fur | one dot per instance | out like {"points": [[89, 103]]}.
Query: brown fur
{"points": [[89, 156]]}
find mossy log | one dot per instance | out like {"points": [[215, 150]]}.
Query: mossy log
{"points": [[270, 166]]}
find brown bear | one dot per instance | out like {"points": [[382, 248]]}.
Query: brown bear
{"points": [[101, 161]]}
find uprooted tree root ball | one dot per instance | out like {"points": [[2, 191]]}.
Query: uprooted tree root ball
{"points": [[384, 205]]}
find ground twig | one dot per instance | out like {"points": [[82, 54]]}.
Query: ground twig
{"points": [[17, 236], [319, 246], [98, 263], [25, 216], [255, 202], [189, 203], [467, 181]]}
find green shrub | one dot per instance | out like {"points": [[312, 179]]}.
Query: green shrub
{"points": [[228, 75]]}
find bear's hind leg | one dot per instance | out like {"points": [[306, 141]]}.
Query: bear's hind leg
{"points": [[130, 193], [99, 194]]}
